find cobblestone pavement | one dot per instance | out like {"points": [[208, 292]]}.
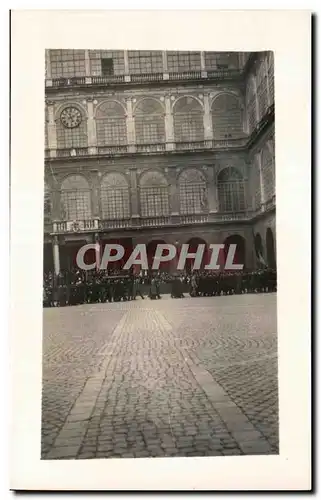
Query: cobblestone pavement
{"points": [[174, 377]]}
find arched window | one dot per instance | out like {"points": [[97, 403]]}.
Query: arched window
{"points": [[271, 74], [227, 117], [149, 122], [111, 124], [267, 163], [153, 190], [115, 197], [192, 192], [188, 120], [251, 105], [231, 190], [262, 96], [74, 136], [75, 198]]}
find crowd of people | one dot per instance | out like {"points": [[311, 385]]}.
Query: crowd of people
{"points": [[78, 287]]}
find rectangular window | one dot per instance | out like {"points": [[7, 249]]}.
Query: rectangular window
{"points": [[67, 63], [183, 61], [98, 56], [221, 60], [144, 61], [107, 67]]}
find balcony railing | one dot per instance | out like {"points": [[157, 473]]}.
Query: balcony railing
{"points": [[67, 82], [75, 226], [107, 79], [155, 221], [190, 146], [115, 224], [111, 150], [209, 74], [65, 153], [224, 73], [193, 219], [146, 77], [122, 149], [185, 75], [150, 148], [93, 225]]}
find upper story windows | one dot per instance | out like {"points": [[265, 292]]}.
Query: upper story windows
{"points": [[106, 62], [183, 61], [144, 61], [222, 60], [67, 63], [78, 63]]}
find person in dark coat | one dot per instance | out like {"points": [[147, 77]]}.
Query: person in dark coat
{"points": [[153, 292], [136, 288]]}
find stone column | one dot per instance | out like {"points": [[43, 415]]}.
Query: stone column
{"points": [[96, 241], [55, 246], [169, 124], [207, 118], [130, 125], [134, 193], [91, 125]]}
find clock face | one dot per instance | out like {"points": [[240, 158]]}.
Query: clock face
{"points": [[70, 117]]}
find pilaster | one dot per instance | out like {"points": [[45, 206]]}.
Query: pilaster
{"points": [[95, 194], [51, 126], [207, 118], [87, 63], [48, 65], [91, 124], [173, 191], [169, 123], [134, 193], [212, 190], [258, 164], [126, 62], [130, 123]]}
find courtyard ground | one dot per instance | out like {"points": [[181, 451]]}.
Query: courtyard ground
{"points": [[172, 377]]}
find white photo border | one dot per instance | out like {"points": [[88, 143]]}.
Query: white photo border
{"points": [[288, 34]]}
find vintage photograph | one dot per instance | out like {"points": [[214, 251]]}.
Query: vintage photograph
{"points": [[159, 255]]}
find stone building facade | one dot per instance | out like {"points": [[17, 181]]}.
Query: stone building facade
{"points": [[147, 147]]}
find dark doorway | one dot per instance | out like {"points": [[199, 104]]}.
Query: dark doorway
{"points": [[270, 249]]}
